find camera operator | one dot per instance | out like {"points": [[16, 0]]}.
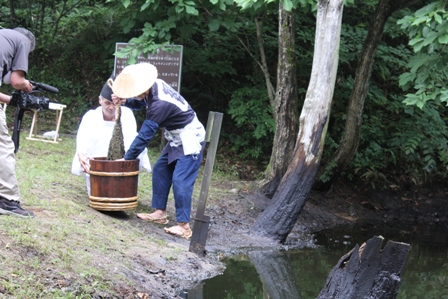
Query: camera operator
{"points": [[15, 46]]}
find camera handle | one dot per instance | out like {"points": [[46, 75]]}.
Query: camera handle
{"points": [[17, 125]]}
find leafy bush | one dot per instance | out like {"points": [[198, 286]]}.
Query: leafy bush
{"points": [[250, 109]]}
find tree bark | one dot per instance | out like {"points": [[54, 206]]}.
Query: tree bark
{"points": [[367, 272], [278, 219], [285, 107], [349, 143], [12, 14]]}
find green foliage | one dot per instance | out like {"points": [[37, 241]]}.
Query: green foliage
{"points": [[428, 70], [165, 20], [288, 5], [412, 148], [76, 45], [398, 144], [425, 144], [75, 41], [250, 110]]}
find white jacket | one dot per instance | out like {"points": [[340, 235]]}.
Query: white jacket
{"points": [[94, 135]]}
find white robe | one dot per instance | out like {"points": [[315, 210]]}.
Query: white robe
{"points": [[94, 135]]}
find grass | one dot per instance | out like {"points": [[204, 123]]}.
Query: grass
{"points": [[69, 250]]}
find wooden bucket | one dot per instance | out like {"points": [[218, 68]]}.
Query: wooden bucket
{"points": [[113, 184]]}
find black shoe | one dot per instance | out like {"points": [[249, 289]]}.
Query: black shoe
{"points": [[8, 207]]}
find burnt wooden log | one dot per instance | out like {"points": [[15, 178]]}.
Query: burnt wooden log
{"points": [[368, 272]]}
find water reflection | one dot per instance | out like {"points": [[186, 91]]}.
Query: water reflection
{"points": [[303, 273]]}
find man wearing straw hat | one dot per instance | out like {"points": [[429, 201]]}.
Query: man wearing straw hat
{"points": [[179, 162], [16, 44]]}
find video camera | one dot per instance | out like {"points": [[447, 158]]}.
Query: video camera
{"points": [[24, 101]]}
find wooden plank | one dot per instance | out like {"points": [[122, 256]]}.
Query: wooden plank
{"points": [[210, 160], [200, 228]]}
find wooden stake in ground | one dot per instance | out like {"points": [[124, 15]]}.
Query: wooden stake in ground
{"points": [[116, 145]]}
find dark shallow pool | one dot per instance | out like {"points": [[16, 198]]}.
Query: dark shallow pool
{"points": [[302, 273]]}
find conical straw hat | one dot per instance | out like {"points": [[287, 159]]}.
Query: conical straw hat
{"points": [[134, 80]]}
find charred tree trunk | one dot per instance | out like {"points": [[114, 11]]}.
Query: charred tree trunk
{"points": [[278, 219], [352, 132], [285, 104], [367, 272], [276, 274]]}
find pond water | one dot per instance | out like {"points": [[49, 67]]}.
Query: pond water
{"points": [[302, 273]]}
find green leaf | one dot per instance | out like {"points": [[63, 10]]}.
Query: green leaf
{"points": [[287, 5], [222, 6], [191, 10], [443, 39], [132, 60], [444, 96], [418, 46], [214, 24], [414, 41], [430, 38], [406, 78], [420, 20], [144, 6]]}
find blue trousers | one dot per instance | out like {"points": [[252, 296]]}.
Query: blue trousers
{"points": [[181, 175]]}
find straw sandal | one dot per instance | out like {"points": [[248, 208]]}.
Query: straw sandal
{"points": [[179, 232], [147, 217]]}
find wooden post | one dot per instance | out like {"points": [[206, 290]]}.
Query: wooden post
{"points": [[201, 222]]}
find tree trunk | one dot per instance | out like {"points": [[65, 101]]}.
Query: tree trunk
{"points": [[367, 272], [285, 108], [278, 219], [262, 63], [12, 14], [352, 132]]}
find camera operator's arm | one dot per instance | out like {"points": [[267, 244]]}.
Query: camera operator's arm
{"points": [[4, 98], [19, 82]]}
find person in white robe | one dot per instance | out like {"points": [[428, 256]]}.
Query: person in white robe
{"points": [[95, 132]]}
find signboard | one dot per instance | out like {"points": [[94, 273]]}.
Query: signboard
{"points": [[169, 65]]}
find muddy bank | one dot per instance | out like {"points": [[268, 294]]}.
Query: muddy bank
{"points": [[232, 215]]}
